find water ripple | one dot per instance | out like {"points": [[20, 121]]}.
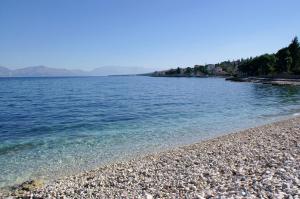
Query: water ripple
{"points": [[57, 126]]}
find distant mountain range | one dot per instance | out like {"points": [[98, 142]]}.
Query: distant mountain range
{"points": [[44, 71]]}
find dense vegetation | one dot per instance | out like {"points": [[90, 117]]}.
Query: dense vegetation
{"points": [[196, 70], [286, 60]]}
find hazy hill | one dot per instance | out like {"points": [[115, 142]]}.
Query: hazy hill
{"points": [[4, 72], [44, 71], [118, 70]]}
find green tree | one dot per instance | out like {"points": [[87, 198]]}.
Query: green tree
{"points": [[188, 71], [171, 72], [284, 60], [269, 60], [297, 63], [261, 65], [200, 68], [294, 49]]}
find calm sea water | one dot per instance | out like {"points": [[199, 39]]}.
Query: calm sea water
{"points": [[58, 126]]}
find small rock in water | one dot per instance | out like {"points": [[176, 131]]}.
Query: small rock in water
{"points": [[31, 185]]}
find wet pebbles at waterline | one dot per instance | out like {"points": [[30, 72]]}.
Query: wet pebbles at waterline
{"points": [[261, 162]]}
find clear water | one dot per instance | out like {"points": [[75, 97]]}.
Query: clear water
{"points": [[51, 127]]}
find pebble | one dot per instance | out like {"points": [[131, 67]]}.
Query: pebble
{"points": [[148, 196], [258, 162]]}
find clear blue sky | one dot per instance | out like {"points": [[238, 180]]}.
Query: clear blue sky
{"points": [[150, 33]]}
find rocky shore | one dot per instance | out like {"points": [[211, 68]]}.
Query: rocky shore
{"points": [[273, 81], [261, 162]]}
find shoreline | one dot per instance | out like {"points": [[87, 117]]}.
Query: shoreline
{"points": [[221, 166], [267, 80]]}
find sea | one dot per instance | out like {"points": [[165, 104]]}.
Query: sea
{"points": [[58, 126]]}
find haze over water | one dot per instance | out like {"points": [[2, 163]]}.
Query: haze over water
{"points": [[51, 127]]}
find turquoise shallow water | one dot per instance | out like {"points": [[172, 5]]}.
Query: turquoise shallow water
{"points": [[59, 126]]}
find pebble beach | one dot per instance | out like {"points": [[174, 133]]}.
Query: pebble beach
{"points": [[260, 162]]}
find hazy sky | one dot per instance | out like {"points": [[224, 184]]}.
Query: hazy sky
{"points": [[150, 33]]}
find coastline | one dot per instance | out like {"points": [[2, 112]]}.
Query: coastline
{"points": [[267, 80], [262, 161]]}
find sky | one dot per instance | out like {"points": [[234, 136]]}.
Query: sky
{"points": [[85, 34]]}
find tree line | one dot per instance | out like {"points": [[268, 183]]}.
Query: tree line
{"points": [[284, 61]]}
